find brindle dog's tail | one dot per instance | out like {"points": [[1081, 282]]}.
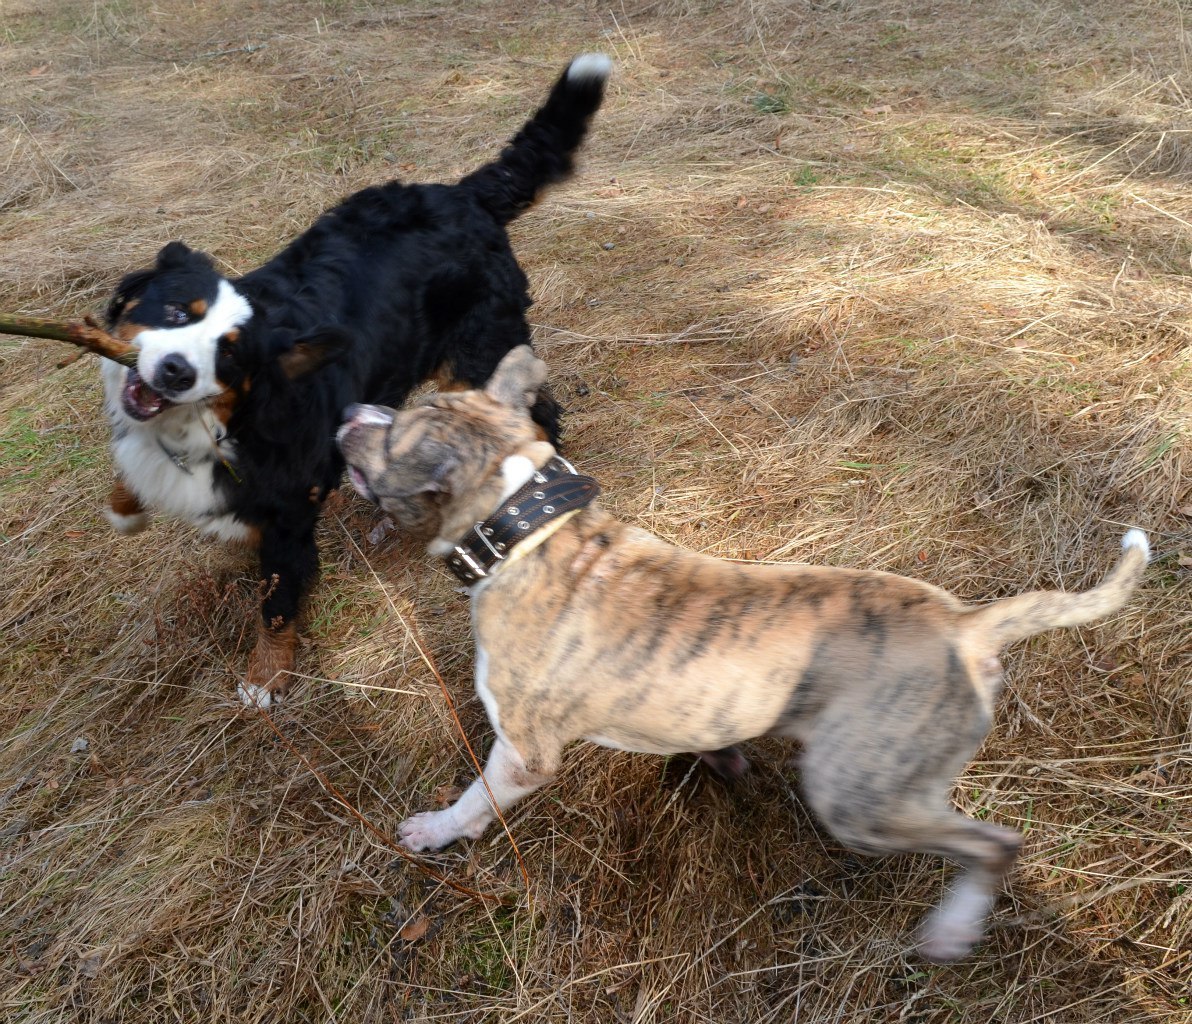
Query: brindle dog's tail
{"points": [[1016, 618]]}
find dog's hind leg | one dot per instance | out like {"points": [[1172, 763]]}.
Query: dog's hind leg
{"points": [[876, 820], [509, 780], [879, 773], [987, 852]]}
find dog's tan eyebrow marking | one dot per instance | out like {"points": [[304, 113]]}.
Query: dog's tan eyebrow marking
{"points": [[126, 331], [198, 308]]}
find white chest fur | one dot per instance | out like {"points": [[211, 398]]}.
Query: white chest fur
{"points": [[169, 461]]}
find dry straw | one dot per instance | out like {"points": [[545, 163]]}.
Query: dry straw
{"points": [[859, 283]]}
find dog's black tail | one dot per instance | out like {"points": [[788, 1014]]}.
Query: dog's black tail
{"points": [[541, 153]]}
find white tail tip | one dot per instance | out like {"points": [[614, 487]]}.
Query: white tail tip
{"points": [[1136, 539], [588, 67]]}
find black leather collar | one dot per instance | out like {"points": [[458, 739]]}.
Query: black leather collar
{"points": [[553, 490]]}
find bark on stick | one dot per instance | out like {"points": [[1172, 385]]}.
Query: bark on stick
{"points": [[87, 335]]}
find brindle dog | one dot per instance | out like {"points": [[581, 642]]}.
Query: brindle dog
{"points": [[596, 630]]}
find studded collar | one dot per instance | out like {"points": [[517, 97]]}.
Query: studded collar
{"points": [[550, 493]]}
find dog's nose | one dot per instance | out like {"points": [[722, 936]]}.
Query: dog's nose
{"points": [[174, 374]]}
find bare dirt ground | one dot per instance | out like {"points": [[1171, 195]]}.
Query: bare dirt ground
{"points": [[854, 282]]}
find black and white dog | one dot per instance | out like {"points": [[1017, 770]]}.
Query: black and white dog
{"points": [[228, 420]]}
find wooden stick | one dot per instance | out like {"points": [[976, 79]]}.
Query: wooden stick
{"points": [[87, 335]]}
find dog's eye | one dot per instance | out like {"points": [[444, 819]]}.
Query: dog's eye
{"points": [[226, 362], [174, 314]]}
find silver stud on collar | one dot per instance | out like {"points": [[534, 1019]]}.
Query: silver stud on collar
{"points": [[513, 510], [523, 525], [539, 495], [548, 509]]}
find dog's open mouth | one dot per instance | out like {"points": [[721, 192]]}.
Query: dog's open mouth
{"points": [[361, 484], [140, 401]]}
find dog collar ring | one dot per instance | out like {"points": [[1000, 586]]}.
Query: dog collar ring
{"points": [[177, 458]]}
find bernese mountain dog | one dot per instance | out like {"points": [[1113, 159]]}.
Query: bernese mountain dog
{"points": [[228, 419]]}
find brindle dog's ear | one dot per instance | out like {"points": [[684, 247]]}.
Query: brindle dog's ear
{"points": [[314, 350], [517, 380]]}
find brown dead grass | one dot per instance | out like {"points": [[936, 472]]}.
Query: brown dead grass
{"points": [[900, 286]]}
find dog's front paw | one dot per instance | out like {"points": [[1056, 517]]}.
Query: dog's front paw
{"points": [[262, 697], [432, 830], [126, 525], [270, 667]]}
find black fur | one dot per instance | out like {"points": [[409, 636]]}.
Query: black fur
{"points": [[393, 285]]}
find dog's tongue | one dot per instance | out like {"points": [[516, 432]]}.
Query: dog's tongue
{"points": [[140, 400]]}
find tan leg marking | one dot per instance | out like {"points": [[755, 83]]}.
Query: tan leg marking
{"points": [[269, 666], [125, 511], [123, 501]]}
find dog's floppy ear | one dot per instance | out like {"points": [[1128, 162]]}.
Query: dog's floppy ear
{"points": [[314, 350], [517, 379], [128, 289], [179, 254], [173, 254]]}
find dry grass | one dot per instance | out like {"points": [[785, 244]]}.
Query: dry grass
{"points": [[901, 286]]}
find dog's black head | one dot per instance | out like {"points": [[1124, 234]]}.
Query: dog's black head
{"points": [[200, 339]]}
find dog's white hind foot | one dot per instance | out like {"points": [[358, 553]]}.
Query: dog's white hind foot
{"points": [[957, 925], [432, 830]]}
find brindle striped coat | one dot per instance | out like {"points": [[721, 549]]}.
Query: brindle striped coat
{"points": [[600, 631]]}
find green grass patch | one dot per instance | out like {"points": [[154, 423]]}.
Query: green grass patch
{"points": [[28, 452]]}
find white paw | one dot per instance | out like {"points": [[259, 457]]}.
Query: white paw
{"points": [[432, 830], [127, 525], [254, 696], [947, 937]]}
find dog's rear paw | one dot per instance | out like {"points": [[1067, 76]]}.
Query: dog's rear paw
{"points": [[945, 937], [729, 763], [262, 697], [432, 830]]}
